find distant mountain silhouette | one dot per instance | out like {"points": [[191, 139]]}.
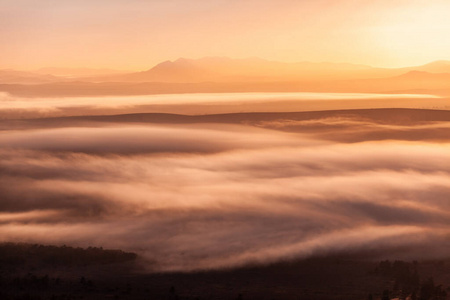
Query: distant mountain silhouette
{"points": [[223, 69], [23, 77], [415, 80], [78, 72], [440, 66], [181, 70], [422, 75], [222, 74]]}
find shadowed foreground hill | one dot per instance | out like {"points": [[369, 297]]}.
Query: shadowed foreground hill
{"points": [[25, 255], [48, 272], [399, 116]]}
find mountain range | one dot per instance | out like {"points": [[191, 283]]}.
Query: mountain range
{"points": [[222, 74], [223, 69]]}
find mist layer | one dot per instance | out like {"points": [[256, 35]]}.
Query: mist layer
{"points": [[206, 195]]}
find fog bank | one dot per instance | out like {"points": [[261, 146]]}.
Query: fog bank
{"points": [[203, 196]]}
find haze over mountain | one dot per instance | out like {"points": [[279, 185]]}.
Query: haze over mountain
{"points": [[220, 69], [439, 66], [77, 72], [221, 74], [47, 75], [24, 77], [223, 69]]}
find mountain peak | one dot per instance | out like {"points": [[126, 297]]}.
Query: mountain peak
{"points": [[423, 75], [439, 62], [182, 60], [439, 66]]}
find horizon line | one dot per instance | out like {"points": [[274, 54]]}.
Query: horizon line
{"points": [[111, 68]]}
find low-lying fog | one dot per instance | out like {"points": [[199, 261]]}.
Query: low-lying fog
{"points": [[196, 196]]}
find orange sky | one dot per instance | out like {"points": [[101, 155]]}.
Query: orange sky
{"points": [[136, 34]]}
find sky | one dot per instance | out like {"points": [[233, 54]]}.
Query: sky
{"points": [[137, 34]]}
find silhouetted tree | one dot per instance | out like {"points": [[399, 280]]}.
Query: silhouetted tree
{"points": [[427, 289], [385, 295]]}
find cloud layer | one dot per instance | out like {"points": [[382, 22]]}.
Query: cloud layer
{"points": [[210, 196]]}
